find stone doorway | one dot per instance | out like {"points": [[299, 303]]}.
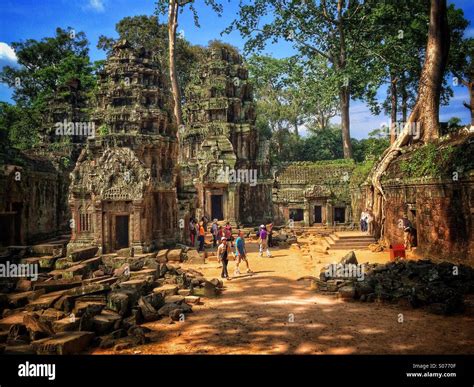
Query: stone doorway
{"points": [[121, 231], [339, 214], [216, 207], [318, 214]]}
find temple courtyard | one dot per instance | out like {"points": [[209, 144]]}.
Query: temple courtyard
{"points": [[271, 312]]}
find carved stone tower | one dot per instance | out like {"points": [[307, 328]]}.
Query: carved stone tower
{"points": [[123, 190]]}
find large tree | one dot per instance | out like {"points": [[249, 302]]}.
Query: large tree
{"points": [[401, 26], [317, 28], [426, 110], [172, 8], [54, 80]]}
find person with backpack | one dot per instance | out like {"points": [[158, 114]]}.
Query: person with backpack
{"points": [[214, 231], [263, 238], [240, 253], [223, 252], [228, 234]]}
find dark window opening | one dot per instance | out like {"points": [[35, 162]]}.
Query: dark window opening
{"points": [[297, 214]]}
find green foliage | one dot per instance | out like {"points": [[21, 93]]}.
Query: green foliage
{"points": [[427, 161], [361, 172], [53, 80], [103, 130], [18, 126]]}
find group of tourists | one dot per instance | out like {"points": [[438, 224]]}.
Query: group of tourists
{"points": [[240, 252], [366, 220], [223, 239], [197, 231]]}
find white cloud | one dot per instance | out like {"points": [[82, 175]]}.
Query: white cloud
{"points": [[7, 53], [96, 5]]}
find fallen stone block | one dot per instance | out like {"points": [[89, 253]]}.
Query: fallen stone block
{"points": [[64, 343], [17, 300], [55, 285], [53, 249], [192, 300], [147, 310], [36, 327], [106, 321], [45, 301], [66, 324], [166, 290], [23, 285], [193, 256], [15, 318], [175, 255], [174, 299], [90, 307], [83, 254], [349, 258], [161, 256], [346, 292]]}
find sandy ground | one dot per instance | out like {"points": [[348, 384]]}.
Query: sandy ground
{"points": [[270, 312]]}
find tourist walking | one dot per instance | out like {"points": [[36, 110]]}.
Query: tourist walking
{"points": [[192, 231], [240, 253], [223, 252], [270, 234], [202, 233], [228, 234], [263, 239], [214, 231]]}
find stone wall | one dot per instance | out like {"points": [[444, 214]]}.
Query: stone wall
{"points": [[313, 193], [33, 199]]}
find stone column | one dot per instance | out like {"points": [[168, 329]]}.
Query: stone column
{"points": [[306, 214], [329, 213], [135, 224]]}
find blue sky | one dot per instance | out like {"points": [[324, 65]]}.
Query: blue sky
{"points": [[24, 19]]}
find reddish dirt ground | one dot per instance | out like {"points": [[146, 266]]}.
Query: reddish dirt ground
{"points": [[270, 312]]}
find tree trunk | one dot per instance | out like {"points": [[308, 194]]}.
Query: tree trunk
{"points": [[404, 100], [433, 71], [172, 26], [344, 96], [393, 107], [471, 101], [426, 109]]}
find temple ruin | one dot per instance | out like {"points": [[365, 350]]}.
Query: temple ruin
{"points": [[224, 166], [123, 189]]}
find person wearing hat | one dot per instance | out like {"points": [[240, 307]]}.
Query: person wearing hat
{"points": [[223, 252], [263, 237], [214, 231]]}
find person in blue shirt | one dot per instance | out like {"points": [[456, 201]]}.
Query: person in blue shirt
{"points": [[240, 253]]}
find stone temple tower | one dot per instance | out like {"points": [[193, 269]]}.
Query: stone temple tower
{"points": [[225, 170], [123, 189]]}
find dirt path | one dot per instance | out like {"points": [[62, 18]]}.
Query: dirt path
{"points": [[272, 313]]}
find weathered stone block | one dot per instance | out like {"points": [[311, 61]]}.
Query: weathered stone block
{"points": [[64, 343]]}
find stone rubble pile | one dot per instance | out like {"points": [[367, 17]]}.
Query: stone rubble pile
{"points": [[85, 299], [440, 287]]}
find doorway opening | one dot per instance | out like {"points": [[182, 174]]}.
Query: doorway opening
{"points": [[121, 231], [318, 214], [216, 207], [339, 214]]}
